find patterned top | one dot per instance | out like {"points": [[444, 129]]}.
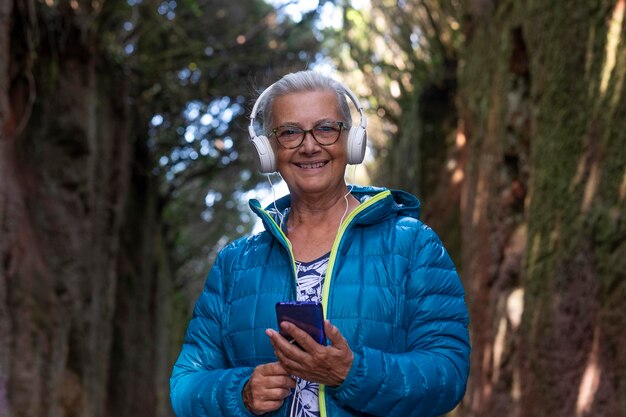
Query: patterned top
{"points": [[311, 275]]}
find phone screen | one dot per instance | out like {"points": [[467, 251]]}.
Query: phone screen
{"points": [[308, 316]]}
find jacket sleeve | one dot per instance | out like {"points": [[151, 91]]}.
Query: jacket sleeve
{"points": [[429, 379], [202, 382]]}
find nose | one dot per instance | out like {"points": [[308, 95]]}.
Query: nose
{"points": [[309, 144]]}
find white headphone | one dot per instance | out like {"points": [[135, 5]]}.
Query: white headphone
{"points": [[357, 137]]}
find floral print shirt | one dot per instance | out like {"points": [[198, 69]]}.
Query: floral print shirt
{"points": [[304, 400]]}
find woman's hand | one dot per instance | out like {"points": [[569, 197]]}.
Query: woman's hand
{"points": [[327, 365], [267, 388]]}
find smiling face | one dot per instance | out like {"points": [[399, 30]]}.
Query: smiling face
{"points": [[311, 169]]}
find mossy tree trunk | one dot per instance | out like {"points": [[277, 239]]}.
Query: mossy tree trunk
{"points": [[543, 108], [82, 311], [574, 343]]}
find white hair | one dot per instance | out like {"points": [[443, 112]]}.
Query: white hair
{"points": [[303, 81]]}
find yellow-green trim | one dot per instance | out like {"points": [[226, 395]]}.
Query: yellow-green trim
{"points": [[329, 272], [287, 241]]}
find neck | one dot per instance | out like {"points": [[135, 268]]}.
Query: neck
{"points": [[325, 210]]}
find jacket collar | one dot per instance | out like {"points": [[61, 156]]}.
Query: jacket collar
{"points": [[396, 203]]}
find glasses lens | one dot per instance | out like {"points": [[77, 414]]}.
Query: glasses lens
{"points": [[289, 136], [327, 133]]}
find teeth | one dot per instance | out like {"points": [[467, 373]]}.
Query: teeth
{"points": [[311, 166]]}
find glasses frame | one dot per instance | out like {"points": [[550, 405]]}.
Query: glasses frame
{"points": [[342, 126]]}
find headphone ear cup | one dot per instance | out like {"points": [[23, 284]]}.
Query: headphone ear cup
{"points": [[357, 139], [264, 155]]}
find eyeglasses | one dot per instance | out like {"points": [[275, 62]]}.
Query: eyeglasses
{"points": [[325, 133]]}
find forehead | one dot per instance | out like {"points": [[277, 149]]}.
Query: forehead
{"points": [[306, 107]]}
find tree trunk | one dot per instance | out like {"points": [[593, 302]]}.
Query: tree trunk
{"points": [[6, 189], [573, 352], [63, 188], [542, 105]]}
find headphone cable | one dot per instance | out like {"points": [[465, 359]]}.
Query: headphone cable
{"points": [[278, 213]]}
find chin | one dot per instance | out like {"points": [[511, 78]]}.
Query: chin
{"points": [[315, 187]]}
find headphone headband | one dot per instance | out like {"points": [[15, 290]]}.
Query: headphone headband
{"points": [[347, 91]]}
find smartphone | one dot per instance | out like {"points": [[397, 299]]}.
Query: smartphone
{"points": [[308, 316]]}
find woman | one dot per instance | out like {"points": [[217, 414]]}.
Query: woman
{"points": [[396, 323]]}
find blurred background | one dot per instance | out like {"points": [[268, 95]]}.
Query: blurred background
{"points": [[125, 165]]}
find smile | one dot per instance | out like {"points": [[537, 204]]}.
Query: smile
{"points": [[313, 165]]}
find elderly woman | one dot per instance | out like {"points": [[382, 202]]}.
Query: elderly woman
{"points": [[396, 320]]}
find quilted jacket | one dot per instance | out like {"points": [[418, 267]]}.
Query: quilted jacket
{"points": [[390, 288]]}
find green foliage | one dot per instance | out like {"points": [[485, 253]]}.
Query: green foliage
{"points": [[395, 51], [193, 68]]}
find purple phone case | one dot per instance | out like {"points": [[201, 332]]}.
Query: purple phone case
{"points": [[308, 316]]}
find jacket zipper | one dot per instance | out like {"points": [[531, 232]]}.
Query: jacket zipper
{"points": [[330, 269]]}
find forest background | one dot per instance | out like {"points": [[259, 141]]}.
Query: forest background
{"points": [[125, 166]]}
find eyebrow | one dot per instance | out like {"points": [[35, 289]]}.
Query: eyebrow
{"points": [[318, 122]]}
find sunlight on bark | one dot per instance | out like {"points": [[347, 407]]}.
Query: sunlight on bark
{"points": [[515, 307], [580, 171], [459, 173], [612, 41], [590, 380], [458, 176], [498, 349], [461, 139], [591, 187], [514, 310], [480, 198], [619, 86]]}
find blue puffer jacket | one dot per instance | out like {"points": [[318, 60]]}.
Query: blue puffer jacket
{"points": [[390, 288]]}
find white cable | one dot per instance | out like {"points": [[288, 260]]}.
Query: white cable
{"points": [[350, 188], [347, 206], [282, 218], [294, 401]]}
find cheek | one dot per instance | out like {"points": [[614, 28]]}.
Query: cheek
{"points": [[342, 149]]}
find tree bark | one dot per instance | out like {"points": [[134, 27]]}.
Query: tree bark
{"points": [[576, 285], [6, 189], [63, 190], [495, 111], [542, 104]]}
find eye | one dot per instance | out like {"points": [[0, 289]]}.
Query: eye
{"points": [[326, 129], [287, 132]]}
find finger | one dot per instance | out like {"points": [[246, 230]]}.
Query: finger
{"points": [[295, 367], [274, 394], [260, 399], [262, 407], [334, 335], [280, 381], [279, 343], [272, 368], [303, 339], [277, 339]]}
